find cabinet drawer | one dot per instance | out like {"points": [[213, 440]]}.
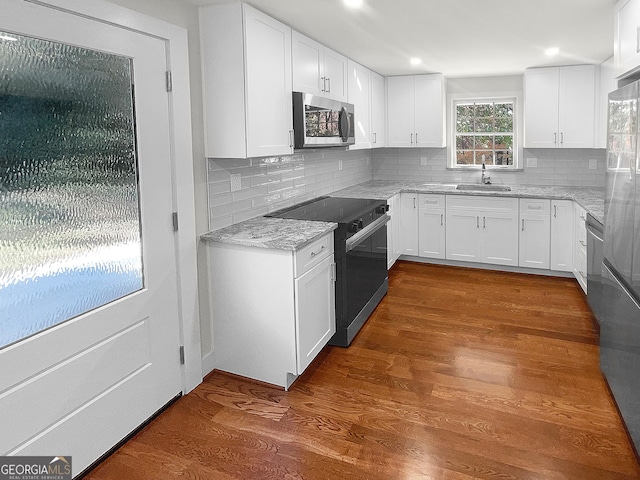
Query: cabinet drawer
{"points": [[312, 254], [430, 200], [480, 203], [535, 206]]}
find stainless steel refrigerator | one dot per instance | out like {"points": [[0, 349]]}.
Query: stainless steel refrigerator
{"points": [[619, 309]]}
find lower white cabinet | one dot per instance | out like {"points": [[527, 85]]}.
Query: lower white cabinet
{"points": [[580, 246], [409, 224], [272, 310], [431, 235], [535, 233], [482, 229], [393, 230], [562, 235]]}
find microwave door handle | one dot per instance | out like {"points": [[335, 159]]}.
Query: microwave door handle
{"points": [[345, 126]]}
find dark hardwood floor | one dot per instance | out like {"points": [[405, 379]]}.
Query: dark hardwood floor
{"points": [[458, 374]]}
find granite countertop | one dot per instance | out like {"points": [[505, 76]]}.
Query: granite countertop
{"points": [[590, 198], [273, 233]]}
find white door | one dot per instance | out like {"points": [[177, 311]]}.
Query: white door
{"points": [[429, 110], [409, 224], [463, 235], [541, 108], [431, 236], [79, 387], [307, 58], [576, 106], [400, 111], [500, 238], [335, 73], [360, 97]]}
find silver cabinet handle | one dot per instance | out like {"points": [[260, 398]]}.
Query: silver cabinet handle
{"points": [[584, 244], [328, 89], [375, 138], [313, 254], [441, 219], [324, 84], [555, 138], [291, 138], [477, 222], [523, 224], [555, 211], [561, 138], [484, 222], [416, 139], [412, 139], [414, 202]]}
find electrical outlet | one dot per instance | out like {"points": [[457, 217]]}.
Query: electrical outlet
{"points": [[339, 164], [532, 162], [236, 182], [593, 164], [423, 161]]}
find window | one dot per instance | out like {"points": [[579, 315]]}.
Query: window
{"points": [[485, 132]]}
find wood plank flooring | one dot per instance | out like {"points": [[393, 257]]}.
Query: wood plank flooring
{"points": [[459, 374]]}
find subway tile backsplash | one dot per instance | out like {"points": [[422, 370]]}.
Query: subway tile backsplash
{"points": [[271, 183]]}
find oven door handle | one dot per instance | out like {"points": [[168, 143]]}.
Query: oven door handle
{"points": [[366, 232]]}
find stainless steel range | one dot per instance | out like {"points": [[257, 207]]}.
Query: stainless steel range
{"points": [[360, 256]]}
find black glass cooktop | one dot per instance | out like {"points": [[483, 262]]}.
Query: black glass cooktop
{"points": [[329, 209]]}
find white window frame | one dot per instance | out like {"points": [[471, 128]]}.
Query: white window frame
{"points": [[515, 98]]}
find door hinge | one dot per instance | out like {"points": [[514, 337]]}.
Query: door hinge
{"points": [[181, 354], [174, 219], [169, 81]]}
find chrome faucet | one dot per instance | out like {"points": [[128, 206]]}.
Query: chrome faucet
{"points": [[485, 180]]}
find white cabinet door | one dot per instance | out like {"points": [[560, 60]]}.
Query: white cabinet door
{"points": [[315, 312], [463, 235], [626, 48], [307, 59], [576, 106], [535, 233], [360, 97], [500, 238], [560, 107], [432, 233], [400, 111], [580, 245], [378, 117], [541, 108], [409, 223], [268, 85], [429, 111], [562, 235], [335, 74]]}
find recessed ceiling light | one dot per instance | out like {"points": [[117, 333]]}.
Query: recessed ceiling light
{"points": [[7, 37], [552, 51], [353, 3], [415, 61]]}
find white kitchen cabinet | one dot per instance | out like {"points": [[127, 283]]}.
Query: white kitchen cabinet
{"points": [[482, 229], [378, 114], [359, 91], [409, 224], [272, 310], [393, 230], [559, 107], [580, 246], [416, 111], [246, 64], [561, 255], [317, 69], [535, 233], [626, 32], [431, 236]]}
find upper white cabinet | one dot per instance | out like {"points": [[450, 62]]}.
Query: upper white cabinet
{"points": [[626, 32], [359, 89], [378, 114], [318, 69], [416, 111], [560, 106], [246, 82]]}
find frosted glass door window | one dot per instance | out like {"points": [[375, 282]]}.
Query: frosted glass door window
{"points": [[69, 214]]}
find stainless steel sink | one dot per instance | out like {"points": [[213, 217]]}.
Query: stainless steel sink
{"points": [[483, 187]]}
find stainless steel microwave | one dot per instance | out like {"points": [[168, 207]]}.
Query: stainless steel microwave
{"points": [[322, 122]]}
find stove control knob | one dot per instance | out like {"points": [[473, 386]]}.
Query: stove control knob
{"points": [[381, 209], [360, 224], [354, 227]]}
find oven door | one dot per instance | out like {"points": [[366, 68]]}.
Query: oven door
{"points": [[366, 274]]}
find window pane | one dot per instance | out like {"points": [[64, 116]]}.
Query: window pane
{"points": [[484, 142], [504, 158], [504, 142], [504, 110], [484, 110], [484, 157], [485, 124], [464, 142], [464, 157], [69, 215], [504, 124]]}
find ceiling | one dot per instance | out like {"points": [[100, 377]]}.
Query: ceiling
{"points": [[460, 38]]}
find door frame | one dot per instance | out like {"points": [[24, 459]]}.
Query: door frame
{"points": [[181, 162]]}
